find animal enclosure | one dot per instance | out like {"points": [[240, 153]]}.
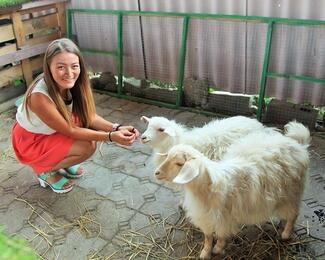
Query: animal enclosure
{"points": [[187, 60]]}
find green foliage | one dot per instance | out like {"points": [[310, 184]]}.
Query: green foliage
{"points": [[17, 82], [321, 113], [212, 89], [164, 85], [15, 248], [8, 3], [267, 100]]}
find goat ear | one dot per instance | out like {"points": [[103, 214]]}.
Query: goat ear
{"points": [[145, 119], [188, 172], [170, 131]]}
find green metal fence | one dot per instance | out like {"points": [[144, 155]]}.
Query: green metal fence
{"points": [[118, 54]]}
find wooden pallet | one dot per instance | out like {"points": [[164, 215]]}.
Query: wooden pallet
{"points": [[25, 35]]}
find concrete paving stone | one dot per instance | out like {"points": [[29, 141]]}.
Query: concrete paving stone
{"points": [[124, 117], [143, 173], [115, 103], [100, 99], [74, 204], [110, 251], [104, 112], [134, 108], [4, 175], [7, 197], [152, 226], [110, 155], [164, 204], [133, 193], [199, 120], [14, 218], [8, 168], [152, 229], [112, 218], [140, 147], [311, 221], [102, 181], [138, 157], [43, 197], [89, 167], [159, 111], [113, 119], [41, 244], [184, 117], [79, 246], [21, 181], [46, 231]]}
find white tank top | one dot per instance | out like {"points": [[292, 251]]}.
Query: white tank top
{"points": [[35, 124]]}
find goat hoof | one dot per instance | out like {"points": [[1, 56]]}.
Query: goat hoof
{"points": [[217, 250], [205, 254], [285, 235]]}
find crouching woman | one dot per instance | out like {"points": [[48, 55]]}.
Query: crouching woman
{"points": [[57, 126]]}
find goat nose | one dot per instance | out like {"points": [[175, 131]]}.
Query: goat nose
{"points": [[157, 173], [143, 137]]}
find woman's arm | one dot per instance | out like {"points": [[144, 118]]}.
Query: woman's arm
{"points": [[46, 110], [102, 124]]}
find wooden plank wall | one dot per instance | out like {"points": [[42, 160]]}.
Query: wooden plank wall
{"points": [[24, 37]]}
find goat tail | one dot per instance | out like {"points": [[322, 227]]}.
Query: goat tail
{"points": [[298, 132]]}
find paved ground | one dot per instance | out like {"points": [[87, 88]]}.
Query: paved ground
{"points": [[118, 210]]}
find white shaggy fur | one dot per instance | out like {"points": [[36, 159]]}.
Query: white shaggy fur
{"points": [[260, 176], [212, 139]]}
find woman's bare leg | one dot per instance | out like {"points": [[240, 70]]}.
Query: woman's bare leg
{"points": [[79, 152]]}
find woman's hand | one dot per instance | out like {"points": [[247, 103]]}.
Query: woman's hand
{"points": [[131, 130], [124, 135]]}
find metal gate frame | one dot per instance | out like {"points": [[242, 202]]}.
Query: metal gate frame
{"points": [[118, 54]]}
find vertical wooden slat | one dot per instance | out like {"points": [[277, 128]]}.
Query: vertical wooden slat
{"points": [[20, 41], [61, 18]]}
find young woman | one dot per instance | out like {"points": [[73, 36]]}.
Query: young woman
{"points": [[57, 126]]}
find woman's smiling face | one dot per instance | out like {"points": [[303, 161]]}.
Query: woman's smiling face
{"points": [[65, 69]]}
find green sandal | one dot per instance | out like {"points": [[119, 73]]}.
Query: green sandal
{"points": [[72, 172], [57, 187]]}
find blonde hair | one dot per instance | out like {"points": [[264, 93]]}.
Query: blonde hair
{"points": [[82, 97]]}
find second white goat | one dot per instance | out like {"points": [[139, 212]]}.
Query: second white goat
{"points": [[260, 176]]}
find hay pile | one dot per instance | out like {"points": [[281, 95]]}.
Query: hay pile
{"points": [[162, 240]]}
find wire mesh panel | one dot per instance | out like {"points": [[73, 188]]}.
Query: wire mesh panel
{"points": [[298, 50], [293, 90], [97, 32], [151, 52], [255, 49], [162, 41], [216, 52], [133, 44]]}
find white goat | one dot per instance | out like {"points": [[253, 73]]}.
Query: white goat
{"points": [[260, 176], [212, 139]]}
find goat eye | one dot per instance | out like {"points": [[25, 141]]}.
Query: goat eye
{"points": [[161, 129], [180, 164]]}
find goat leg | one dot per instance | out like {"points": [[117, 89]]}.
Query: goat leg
{"points": [[206, 251], [219, 246], [285, 235]]}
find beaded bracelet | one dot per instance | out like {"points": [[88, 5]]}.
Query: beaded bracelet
{"points": [[116, 126]]}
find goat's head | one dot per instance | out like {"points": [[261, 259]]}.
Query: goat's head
{"points": [[181, 165], [159, 129]]}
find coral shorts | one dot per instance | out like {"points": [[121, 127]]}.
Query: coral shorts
{"points": [[41, 152]]}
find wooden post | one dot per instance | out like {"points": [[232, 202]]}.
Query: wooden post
{"points": [[20, 41]]}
